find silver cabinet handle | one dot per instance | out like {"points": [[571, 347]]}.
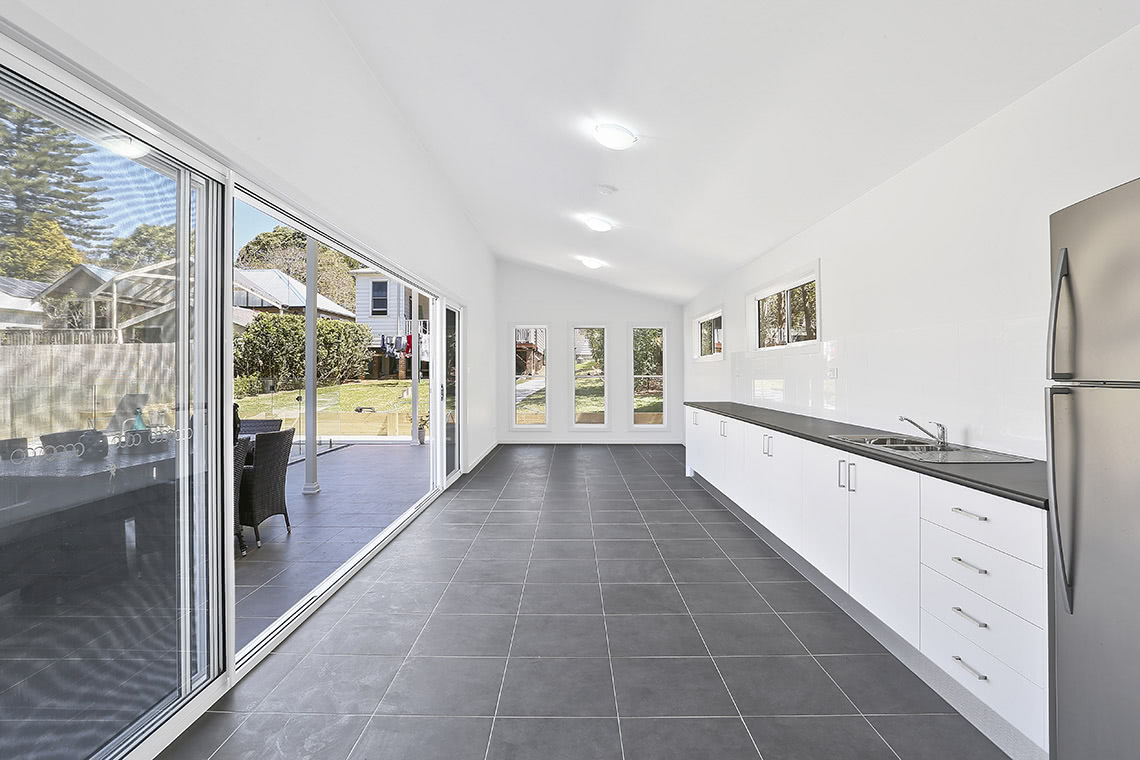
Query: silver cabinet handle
{"points": [[970, 669], [971, 515], [842, 470], [724, 428], [771, 438], [1055, 306], [969, 566], [1054, 513], [695, 421], [851, 477], [764, 449], [958, 611]]}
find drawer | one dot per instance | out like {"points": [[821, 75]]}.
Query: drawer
{"points": [[1010, 695], [1011, 583], [1016, 642], [1007, 526]]}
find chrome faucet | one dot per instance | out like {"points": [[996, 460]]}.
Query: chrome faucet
{"points": [[940, 437]]}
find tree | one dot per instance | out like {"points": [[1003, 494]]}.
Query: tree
{"points": [[647, 351], [40, 251], [147, 244], [273, 347], [283, 248], [43, 172]]}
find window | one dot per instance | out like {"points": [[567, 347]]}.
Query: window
{"points": [[380, 298], [709, 336], [530, 375], [408, 304], [648, 376], [787, 316], [589, 347]]}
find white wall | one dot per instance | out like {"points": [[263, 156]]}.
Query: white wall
{"points": [[533, 296], [934, 285], [276, 86]]}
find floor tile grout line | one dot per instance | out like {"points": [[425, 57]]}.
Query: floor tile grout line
{"points": [[778, 615], [693, 619], [518, 611]]}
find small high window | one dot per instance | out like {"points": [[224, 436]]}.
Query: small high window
{"points": [[380, 298], [786, 316], [709, 336]]}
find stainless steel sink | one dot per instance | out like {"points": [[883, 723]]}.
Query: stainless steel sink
{"points": [[928, 451]]}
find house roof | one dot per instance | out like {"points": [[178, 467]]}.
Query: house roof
{"points": [[17, 288], [275, 286], [101, 274]]}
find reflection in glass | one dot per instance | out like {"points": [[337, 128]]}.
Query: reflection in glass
{"points": [[772, 320], [648, 376], [451, 391], [710, 335], [801, 313], [530, 375], [589, 375]]}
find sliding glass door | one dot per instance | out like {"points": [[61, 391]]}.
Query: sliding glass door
{"points": [[109, 582], [451, 392]]}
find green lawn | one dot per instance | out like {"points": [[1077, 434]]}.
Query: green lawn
{"points": [[336, 405]]}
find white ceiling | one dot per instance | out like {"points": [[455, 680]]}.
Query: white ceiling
{"points": [[758, 117]]}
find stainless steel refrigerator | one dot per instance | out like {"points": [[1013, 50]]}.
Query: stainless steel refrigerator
{"points": [[1093, 438]]}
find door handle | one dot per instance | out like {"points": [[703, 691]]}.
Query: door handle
{"points": [[842, 470], [970, 566], [1054, 512], [851, 477], [1059, 276]]}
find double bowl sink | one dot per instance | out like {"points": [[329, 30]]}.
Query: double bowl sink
{"points": [[924, 450]]}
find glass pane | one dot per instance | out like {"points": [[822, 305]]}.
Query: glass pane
{"points": [[105, 586], [801, 301], [530, 400], [589, 401], [648, 350], [530, 351], [648, 400], [589, 351], [451, 390], [711, 336], [772, 322]]}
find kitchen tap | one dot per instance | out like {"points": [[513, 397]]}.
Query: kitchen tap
{"points": [[940, 437]]}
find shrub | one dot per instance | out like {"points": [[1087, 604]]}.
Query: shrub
{"points": [[246, 385], [273, 346]]}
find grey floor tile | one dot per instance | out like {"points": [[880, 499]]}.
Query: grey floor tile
{"points": [[935, 737], [664, 531], [728, 530], [575, 687], [722, 597], [633, 571], [491, 571], [555, 739], [704, 571], [547, 549], [747, 634], [669, 516], [485, 598], [654, 636], [770, 569], [206, 734], [500, 548], [666, 686], [255, 687], [687, 738], [400, 596], [795, 597], [740, 548], [433, 569], [562, 598], [560, 636], [465, 636], [832, 633], [558, 530], [642, 599], [331, 684], [563, 571], [765, 686], [405, 737], [626, 549], [811, 738], [612, 531], [366, 633], [460, 686], [880, 684], [517, 532], [293, 737], [691, 548]]}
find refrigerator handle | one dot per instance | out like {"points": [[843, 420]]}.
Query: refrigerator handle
{"points": [[1054, 502], [1054, 306]]}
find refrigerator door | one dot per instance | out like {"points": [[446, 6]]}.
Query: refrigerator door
{"points": [[1095, 309], [1094, 661]]}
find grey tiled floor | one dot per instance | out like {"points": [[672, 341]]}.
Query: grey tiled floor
{"points": [[581, 602]]}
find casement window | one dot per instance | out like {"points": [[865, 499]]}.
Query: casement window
{"points": [[380, 298], [588, 345], [709, 336], [787, 314], [530, 376], [648, 375]]}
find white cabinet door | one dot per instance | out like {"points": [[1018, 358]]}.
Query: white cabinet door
{"points": [[710, 463], [735, 479], [692, 440], [756, 499], [826, 522], [782, 479], [884, 572]]}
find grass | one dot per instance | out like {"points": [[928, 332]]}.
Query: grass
{"points": [[336, 406]]}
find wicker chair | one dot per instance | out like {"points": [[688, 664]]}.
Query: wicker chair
{"points": [[241, 449], [263, 483], [253, 427]]}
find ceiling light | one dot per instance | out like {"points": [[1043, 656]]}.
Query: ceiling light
{"points": [[614, 136], [606, 189], [598, 224], [125, 145], [591, 263]]}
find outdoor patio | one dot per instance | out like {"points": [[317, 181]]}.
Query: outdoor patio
{"points": [[364, 487]]}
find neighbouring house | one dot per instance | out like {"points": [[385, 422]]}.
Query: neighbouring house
{"points": [[18, 305], [274, 291], [530, 351], [385, 306]]}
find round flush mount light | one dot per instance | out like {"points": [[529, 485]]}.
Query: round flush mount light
{"points": [[606, 189], [598, 224], [614, 136], [125, 145], [591, 263]]}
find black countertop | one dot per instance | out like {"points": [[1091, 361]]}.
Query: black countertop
{"points": [[1024, 482]]}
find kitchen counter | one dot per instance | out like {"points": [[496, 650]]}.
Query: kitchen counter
{"points": [[1024, 482]]}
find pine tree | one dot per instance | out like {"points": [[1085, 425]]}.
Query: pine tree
{"points": [[42, 173]]}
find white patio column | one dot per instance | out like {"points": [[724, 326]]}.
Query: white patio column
{"points": [[311, 484], [415, 367]]}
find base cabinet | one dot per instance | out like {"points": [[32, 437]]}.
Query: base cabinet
{"points": [[826, 520]]}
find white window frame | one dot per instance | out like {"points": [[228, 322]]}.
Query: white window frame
{"points": [[664, 378], [514, 425], [714, 357], [574, 425], [772, 287]]}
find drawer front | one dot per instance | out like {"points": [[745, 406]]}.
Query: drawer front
{"points": [[1016, 642], [1007, 526], [1010, 695], [1011, 583]]}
